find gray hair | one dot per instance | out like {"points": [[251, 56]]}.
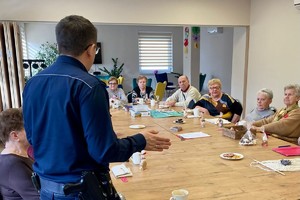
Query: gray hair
{"points": [[295, 87], [266, 91]]}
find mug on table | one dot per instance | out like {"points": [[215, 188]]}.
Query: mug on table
{"points": [[180, 194]]}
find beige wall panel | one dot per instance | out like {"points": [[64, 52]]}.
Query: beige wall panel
{"points": [[176, 12]]}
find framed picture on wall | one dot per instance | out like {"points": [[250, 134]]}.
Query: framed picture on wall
{"points": [[98, 57]]}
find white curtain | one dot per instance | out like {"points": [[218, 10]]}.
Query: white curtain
{"points": [[11, 66]]}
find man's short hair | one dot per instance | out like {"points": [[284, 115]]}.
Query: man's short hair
{"points": [[74, 34]]}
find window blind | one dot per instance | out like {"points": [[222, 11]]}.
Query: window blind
{"points": [[155, 52]]}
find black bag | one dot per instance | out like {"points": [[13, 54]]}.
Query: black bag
{"points": [[93, 187]]}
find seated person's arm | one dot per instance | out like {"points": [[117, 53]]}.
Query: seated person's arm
{"points": [[237, 110], [235, 118], [204, 110], [172, 99]]}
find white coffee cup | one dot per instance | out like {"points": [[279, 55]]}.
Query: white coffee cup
{"points": [[140, 101], [180, 194], [196, 112], [152, 102], [136, 158]]}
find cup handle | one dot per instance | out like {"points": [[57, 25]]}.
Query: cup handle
{"points": [[171, 198]]}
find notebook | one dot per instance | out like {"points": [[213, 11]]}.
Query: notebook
{"points": [[121, 171], [288, 151]]}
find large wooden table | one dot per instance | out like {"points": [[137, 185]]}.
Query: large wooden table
{"points": [[196, 165]]}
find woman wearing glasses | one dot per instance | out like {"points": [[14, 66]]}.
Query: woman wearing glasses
{"points": [[114, 92], [218, 103]]}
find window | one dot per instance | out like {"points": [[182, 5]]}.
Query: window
{"points": [[155, 52]]}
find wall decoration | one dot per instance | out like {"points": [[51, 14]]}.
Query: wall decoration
{"points": [[186, 39], [196, 36]]}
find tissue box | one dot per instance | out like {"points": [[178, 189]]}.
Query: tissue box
{"points": [[234, 132]]}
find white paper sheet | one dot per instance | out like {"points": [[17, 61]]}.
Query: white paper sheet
{"points": [[193, 135], [215, 121]]}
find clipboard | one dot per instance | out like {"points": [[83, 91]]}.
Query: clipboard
{"points": [[288, 151]]}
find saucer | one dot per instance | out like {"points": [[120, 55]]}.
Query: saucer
{"points": [[137, 126]]}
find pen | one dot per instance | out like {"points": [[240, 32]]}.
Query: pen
{"points": [[275, 170], [284, 146]]}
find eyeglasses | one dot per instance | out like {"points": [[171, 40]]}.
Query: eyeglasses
{"points": [[214, 88], [97, 48], [112, 83]]}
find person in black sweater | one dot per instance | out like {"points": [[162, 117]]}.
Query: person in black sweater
{"points": [[15, 165]]}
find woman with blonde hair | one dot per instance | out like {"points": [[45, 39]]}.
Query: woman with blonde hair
{"points": [[142, 90], [218, 103], [114, 92]]}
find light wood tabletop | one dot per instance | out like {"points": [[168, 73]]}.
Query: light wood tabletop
{"points": [[195, 165]]}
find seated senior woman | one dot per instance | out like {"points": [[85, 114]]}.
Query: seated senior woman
{"points": [[218, 103], [285, 123], [114, 92], [263, 108], [141, 91], [15, 165]]}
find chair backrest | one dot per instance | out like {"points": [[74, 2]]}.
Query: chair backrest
{"points": [[161, 77], [160, 90], [201, 81], [134, 83], [120, 80]]}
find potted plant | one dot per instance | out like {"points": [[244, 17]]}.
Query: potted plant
{"points": [[48, 52], [115, 71]]}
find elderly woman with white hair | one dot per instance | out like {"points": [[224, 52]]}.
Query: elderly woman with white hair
{"points": [[263, 108], [285, 123]]}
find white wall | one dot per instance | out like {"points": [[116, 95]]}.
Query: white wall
{"points": [[274, 53], [216, 56], [117, 41], [175, 12]]}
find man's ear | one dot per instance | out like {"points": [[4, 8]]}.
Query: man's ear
{"points": [[14, 135], [91, 50]]}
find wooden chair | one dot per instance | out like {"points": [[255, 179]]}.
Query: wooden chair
{"points": [[120, 82], [160, 90]]}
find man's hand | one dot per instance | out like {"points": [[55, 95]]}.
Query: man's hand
{"points": [[155, 142], [170, 103]]}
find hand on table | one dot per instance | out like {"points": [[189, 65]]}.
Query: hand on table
{"points": [[155, 142], [170, 103]]}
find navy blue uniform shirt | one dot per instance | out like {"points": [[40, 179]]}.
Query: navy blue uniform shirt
{"points": [[67, 121]]}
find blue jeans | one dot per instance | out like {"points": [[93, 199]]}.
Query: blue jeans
{"points": [[47, 195], [54, 191]]}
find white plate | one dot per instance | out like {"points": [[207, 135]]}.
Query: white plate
{"points": [[183, 122], [237, 156], [137, 126]]}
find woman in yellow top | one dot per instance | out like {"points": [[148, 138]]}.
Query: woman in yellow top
{"points": [[285, 123]]}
